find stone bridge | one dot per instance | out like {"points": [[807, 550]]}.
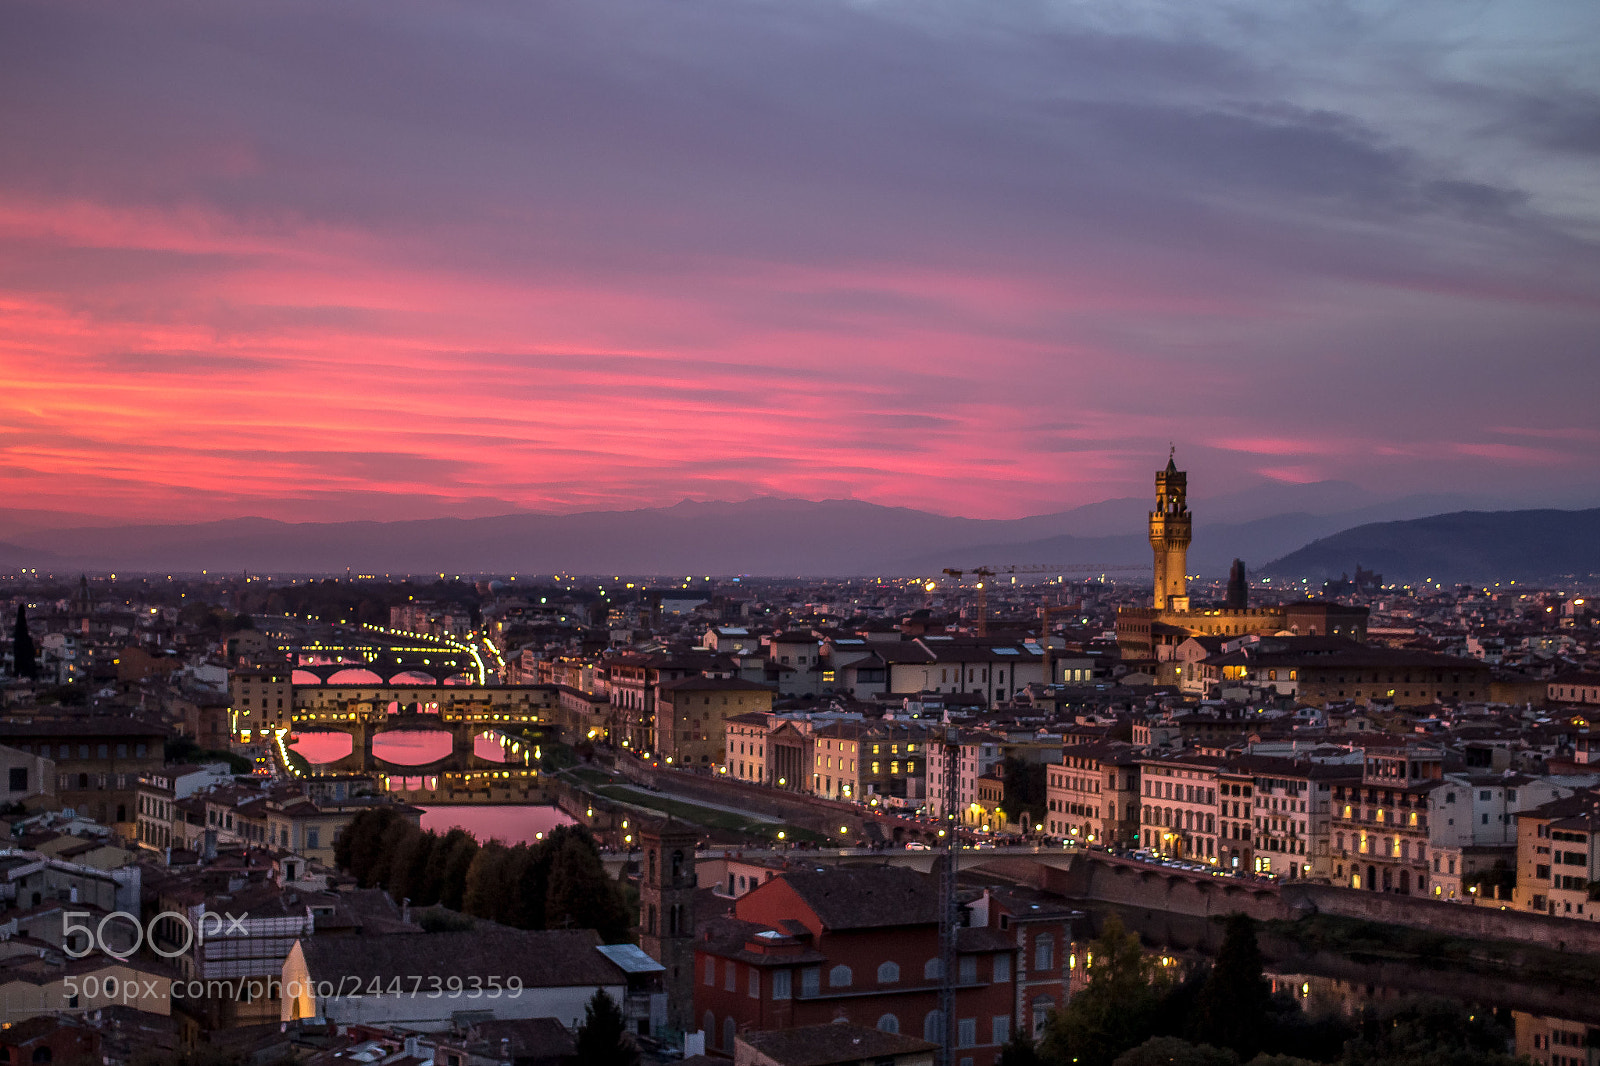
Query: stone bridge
{"points": [[379, 673]]}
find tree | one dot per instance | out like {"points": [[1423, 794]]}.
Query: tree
{"points": [[408, 869], [359, 849], [487, 884], [1119, 1008], [1428, 1032], [1025, 788], [581, 896], [24, 659], [1232, 1008], [1019, 1051], [458, 852], [603, 1037], [1170, 1051]]}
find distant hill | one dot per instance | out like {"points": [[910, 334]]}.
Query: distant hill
{"points": [[1464, 546], [761, 536], [766, 536]]}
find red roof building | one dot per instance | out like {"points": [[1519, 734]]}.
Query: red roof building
{"points": [[860, 945]]}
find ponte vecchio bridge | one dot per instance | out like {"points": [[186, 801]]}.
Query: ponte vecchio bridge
{"points": [[423, 719]]}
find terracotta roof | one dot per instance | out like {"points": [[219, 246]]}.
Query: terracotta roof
{"points": [[866, 897], [537, 1038]]}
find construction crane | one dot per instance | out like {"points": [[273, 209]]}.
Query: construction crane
{"points": [[983, 573], [949, 904]]}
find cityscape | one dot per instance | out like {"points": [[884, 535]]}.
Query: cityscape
{"points": [[828, 534]]}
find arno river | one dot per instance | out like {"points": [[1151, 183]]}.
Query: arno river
{"points": [[510, 824]]}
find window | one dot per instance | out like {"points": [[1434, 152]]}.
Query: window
{"points": [[1000, 1029], [889, 1024], [839, 977], [755, 983], [1044, 946], [1002, 969], [888, 974], [313, 838], [730, 976], [811, 981], [967, 1032], [1042, 1006], [967, 970], [932, 970], [19, 779], [780, 984], [933, 1027]]}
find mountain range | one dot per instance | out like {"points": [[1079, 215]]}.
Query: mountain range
{"points": [[1313, 528], [1465, 546]]}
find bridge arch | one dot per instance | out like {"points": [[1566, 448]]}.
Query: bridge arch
{"points": [[354, 675]]}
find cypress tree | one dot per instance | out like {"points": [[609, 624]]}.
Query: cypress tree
{"points": [[25, 662], [603, 1037], [459, 855], [1232, 1008]]}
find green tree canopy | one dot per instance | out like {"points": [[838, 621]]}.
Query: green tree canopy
{"points": [[1118, 1009], [1171, 1051]]}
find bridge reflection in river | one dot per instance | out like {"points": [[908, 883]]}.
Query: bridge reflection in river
{"points": [[399, 746]]}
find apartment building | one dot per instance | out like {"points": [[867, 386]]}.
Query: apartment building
{"points": [[692, 714], [1558, 857], [1178, 806], [1093, 796], [1380, 825]]}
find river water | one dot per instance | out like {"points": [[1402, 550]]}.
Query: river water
{"points": [[1550, 1022], [509, 823]]}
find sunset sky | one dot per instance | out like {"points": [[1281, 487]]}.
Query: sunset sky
{"points": [[317, 260]]}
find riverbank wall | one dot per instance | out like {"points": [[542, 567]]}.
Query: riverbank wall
{"points": [[1141, 886]]}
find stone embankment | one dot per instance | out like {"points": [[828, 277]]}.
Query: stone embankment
{"points": [[1108, 878]]}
